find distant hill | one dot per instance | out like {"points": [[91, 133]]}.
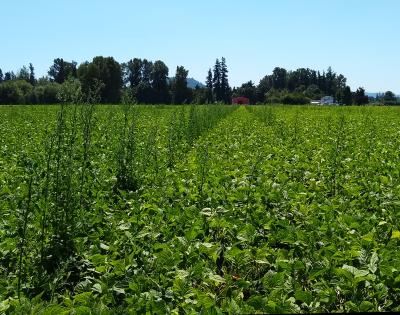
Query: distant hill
{"points": [[371, 94], [191, 83]]}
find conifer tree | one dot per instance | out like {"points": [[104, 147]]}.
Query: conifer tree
{"points": [[209, 86], [225, 89], [217, 81], [32, 79], [8, 76]]}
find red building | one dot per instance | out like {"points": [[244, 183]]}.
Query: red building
{"points": [[241, 100]]}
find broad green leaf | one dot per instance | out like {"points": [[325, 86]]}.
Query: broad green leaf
{"points": [[366, 306], [119, 290], [97, 288], [373, 264], [104, 246], [204, 300], [182, 274], [395, 234], [257, 302], [356, 272], [216, 278], [262, 261], [4, 306], [303, 296]]}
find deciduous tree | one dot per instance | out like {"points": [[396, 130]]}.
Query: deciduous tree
{"points": [[23, 74], [133, 72], [345, 97], [247, 90], [61, 70], [389, 98], [279, 77], [104, 72], [147, 68], [181, 93], [159, 83], [359, 97]]}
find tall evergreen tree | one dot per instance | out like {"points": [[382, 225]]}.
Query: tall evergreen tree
{"points": [[217, 81], [8, 76], [322, 83], [330, 78], [225, 89], [32, 79], [209, 86], [1, 76]]}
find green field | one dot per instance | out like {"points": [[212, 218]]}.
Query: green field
{"points": [[188, 209]]}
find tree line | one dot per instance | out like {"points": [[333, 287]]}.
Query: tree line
{"points": [[104, 80], [300, 87]]}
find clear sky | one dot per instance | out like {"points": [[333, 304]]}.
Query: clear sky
{"points": [[358, 38]]}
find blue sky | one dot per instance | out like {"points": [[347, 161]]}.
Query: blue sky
{"points": [[357, 38]]}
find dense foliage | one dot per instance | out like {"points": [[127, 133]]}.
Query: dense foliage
{"points": [[198, 209], [140, 81]]}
